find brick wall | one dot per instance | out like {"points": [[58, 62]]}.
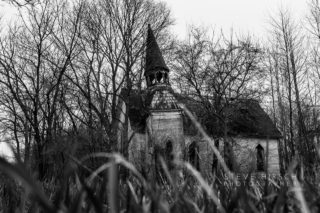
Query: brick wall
{"points": [[167, 126], [244, 150], [244, 154]]}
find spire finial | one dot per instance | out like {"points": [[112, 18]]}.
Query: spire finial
{"points": [[154, 58]]}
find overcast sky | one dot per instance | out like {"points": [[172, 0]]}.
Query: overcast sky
{"points": [[244, 16]]}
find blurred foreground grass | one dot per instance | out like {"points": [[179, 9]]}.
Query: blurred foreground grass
{"points": [[182, 189]]}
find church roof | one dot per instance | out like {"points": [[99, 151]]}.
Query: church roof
{"points": [[245, 118], [162, 98], [154, 58]]}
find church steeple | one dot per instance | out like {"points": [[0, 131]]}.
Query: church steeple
{"points": [[156, 70]]}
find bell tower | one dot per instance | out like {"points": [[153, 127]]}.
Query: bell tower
{"points": [[165, 122]]}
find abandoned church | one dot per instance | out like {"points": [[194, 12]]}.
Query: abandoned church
{"points": [[157, 125]]}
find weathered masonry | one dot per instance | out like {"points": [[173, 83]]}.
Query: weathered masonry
{"points": [[158, 127]]}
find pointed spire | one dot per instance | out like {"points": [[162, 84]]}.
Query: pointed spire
{"points": [[154, 58]]}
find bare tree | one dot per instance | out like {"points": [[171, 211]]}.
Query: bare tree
{"points": [[34, 59], [63, 68], [289, 40], [217, 72], [112, 57], [272, 63], [21, 3]]}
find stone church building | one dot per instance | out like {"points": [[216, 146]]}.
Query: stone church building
{"points": [[158, 126]]}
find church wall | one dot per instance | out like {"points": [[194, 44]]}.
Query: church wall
{"points": [[164, 126], [244, 151], [244, 154], [167, 126], [206, 154]]}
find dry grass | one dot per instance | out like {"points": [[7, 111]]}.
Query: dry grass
{"points": [[104, 191]]}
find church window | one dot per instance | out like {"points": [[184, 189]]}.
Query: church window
{"points": [[260, 158], [193, 154], [159, 77], [158, 167], [166, 77], [215, 159], [152, 79], [169, 154], [166, 153]]}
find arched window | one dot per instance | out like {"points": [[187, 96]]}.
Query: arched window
{"points": [[159, 77], [152, 79], [215, 159], [166, 153], [193, 155], [260, 158], [158, 167], [165, 77], [169, 154]]}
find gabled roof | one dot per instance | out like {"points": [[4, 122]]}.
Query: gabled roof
{"points": [[162, 98], [245, 118], [154, 58]]}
